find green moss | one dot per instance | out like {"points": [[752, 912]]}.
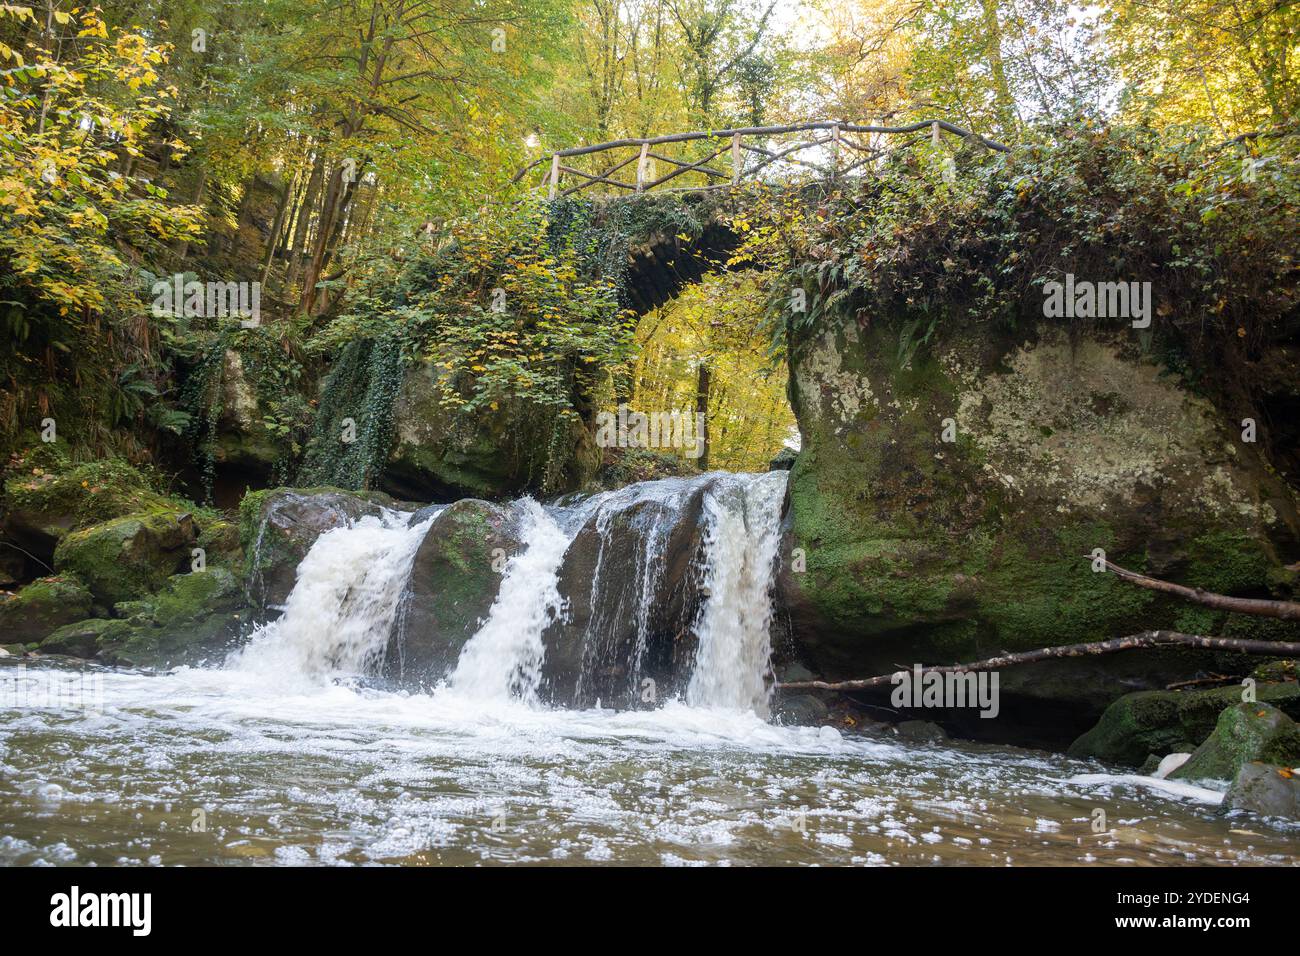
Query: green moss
{"points": [[193, 617], [1244, 732], [82, 639], [43, 606], [1162, 722], [128, 557]]}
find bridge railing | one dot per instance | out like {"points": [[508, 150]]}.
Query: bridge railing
{"points": [[718, 159]]}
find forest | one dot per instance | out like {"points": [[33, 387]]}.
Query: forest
{"points": [[574, 431], [330, 152]]}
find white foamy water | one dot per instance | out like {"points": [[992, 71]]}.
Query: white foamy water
{"points": [[734, 630], [291, 760], [340, 613], [335, 773], [503, 660]]}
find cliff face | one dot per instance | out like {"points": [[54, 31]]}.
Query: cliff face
{"points": [[948, 497]]}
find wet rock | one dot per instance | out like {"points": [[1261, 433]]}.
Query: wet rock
{"points": [[924, 549], [1165, 721], [40, 608], [130, 556], [801, 710], [631, 595], [440, 452], [920, 732], [1269, 790], [1244, 732], [278, 526], [454, 580]]}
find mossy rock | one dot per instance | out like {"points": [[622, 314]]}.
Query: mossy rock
{"points": [[221, 543], [40, 608], [128, 557], [440, 452], [45, 503], [1161, 722], [455, 576], [917, 548], [194, 618], [1244, 732], [278, 526], [82, 639]]}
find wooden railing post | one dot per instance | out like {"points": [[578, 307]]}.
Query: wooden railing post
{"points": [[736, 163], [835, 151], [641, 164], [555, 175], [934, 134]]}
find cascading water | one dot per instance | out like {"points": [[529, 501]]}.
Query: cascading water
{"points": [[342, 607], [743, 536], [299, 767], [721, 530], [503, 660]]}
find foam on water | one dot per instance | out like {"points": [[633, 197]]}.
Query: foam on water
{"points": [[295, 761]]}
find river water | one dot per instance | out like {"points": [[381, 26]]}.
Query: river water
{"points": [[288, 753]]}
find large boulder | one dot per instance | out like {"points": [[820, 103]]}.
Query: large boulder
{"points": [[192, 619], [1244, 732], [440, 452], [631, 596], [40, 608], [454, 580], [46, 497], [947, 498], [129, 557], [278, 526], [1162, 722], [244, 449], [1265, 789]]}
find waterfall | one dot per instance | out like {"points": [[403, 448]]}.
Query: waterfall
{"points": [[503, 660], [742, 538], [673, 579], [346, 596]]}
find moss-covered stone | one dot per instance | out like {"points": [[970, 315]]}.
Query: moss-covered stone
{"points": [[455, 576], [128, 557], [1161, 722], [193, 618], [915, 547], [1244, 732], [35, 611], [44, 503], [278, 526], [82, 639], [220, 542], [440, 452]]}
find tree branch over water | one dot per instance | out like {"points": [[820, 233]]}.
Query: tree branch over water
{"points": [[1144, 639]]}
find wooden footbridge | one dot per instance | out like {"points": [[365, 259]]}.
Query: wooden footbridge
{"points": [[721, 159]]}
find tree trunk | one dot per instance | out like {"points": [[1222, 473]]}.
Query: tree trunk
{"points": [[704, 375]]}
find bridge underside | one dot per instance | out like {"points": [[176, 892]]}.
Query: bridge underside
{"points": [[660, 268]]}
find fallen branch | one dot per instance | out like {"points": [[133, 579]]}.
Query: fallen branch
{"points": [[1132, 642], [1286, 610]]}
